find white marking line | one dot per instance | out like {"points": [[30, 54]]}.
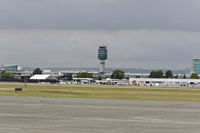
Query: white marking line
{"points": [[141, 120]]}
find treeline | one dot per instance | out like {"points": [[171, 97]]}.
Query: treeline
{"points": [[116, 74], [120, 74], [160, 74], [6, 75], [169, 74]]}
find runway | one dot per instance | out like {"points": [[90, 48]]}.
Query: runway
{"points": [[60, 115]]}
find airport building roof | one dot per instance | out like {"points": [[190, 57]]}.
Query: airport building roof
{"points": [[42, 77], [10, 68]]}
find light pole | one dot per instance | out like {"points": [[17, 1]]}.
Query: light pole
{"points": [[25, 81]]}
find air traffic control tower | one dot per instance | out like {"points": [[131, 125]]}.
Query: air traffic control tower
{"points": [[102, 56]]}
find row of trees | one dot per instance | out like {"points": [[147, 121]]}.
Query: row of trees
{"points": [[84, 75], [169, 74], [6, 75], [116, 74], [119, 74], [160, 74]]}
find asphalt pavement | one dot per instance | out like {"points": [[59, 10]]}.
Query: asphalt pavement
{"points": [[60, 115]]}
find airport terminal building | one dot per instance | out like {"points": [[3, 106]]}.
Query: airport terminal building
{"points": [[196, 65], [10, 68]]}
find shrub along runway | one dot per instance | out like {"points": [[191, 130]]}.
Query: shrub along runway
{"points": [[70, 115]]}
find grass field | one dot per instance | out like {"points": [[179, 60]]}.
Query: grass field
{"points": [[96, 92]]}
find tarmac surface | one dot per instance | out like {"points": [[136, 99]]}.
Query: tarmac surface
{"points": [[59, 115]]}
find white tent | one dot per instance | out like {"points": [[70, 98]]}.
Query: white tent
{"points": [[42, 77]]}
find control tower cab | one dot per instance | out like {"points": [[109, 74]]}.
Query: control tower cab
{"points": [[102, 56]]}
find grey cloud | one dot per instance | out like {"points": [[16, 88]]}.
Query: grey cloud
{"points": [[78, 48], [100, 14]]}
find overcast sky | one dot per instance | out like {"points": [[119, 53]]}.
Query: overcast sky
{"points": [[66, 33]]}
